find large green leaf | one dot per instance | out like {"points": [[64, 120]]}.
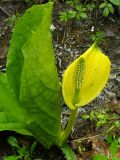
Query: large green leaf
{"points": [[9, 109], [40, 91], [32, 78], [25, 27]]}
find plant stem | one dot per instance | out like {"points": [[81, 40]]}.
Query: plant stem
{"points": [[68, 129]]}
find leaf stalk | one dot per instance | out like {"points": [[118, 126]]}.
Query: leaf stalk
{"points": [[68, 129]]}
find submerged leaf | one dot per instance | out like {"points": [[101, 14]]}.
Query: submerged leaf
{"points": [[84, 79]]}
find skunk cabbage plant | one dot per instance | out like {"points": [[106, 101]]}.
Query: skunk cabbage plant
{"points": [[30, 90], [83, 80]]}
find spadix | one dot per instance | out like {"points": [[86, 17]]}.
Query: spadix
{"points": [[84, 79]]}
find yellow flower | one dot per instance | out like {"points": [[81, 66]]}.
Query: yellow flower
{"points": [[84, 79]]}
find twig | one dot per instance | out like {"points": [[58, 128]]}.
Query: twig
{"points": [[4, 11], [87, 137], [64, 34]]}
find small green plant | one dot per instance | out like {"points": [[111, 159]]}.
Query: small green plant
{"points": [[82, 10], [100, 118], [12, 20], [77, 11], [90, 6], [20, 152], [65, 16], [107, 8], [104, 117], [97, 36], [114, 146]]}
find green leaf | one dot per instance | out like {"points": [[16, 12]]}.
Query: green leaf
{"points": [[70, 3], [63, 16], [13, 141], [103, 5], [83, 15], [114, 147], [99, 157], [115, 2], [101, 116], [109, 138], [101, 122], [92, 115], [79, 7], [33, 146], [71, 14], [23, 152], [32, 75], [119, 140], [24, 29], [11, 158], [90, 6], [92, 37], [39, 89], [85, 116], [106, 11], [68, 152], [9, 109], [111, 9], [117, 124], [98, 36]]}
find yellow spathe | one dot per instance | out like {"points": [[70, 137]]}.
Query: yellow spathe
{"points": [[84, 79]]}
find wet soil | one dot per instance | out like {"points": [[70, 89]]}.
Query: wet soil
{"points": [[70, 40]]}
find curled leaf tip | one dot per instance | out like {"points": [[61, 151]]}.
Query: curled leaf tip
{"points": [[84, 79]]}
